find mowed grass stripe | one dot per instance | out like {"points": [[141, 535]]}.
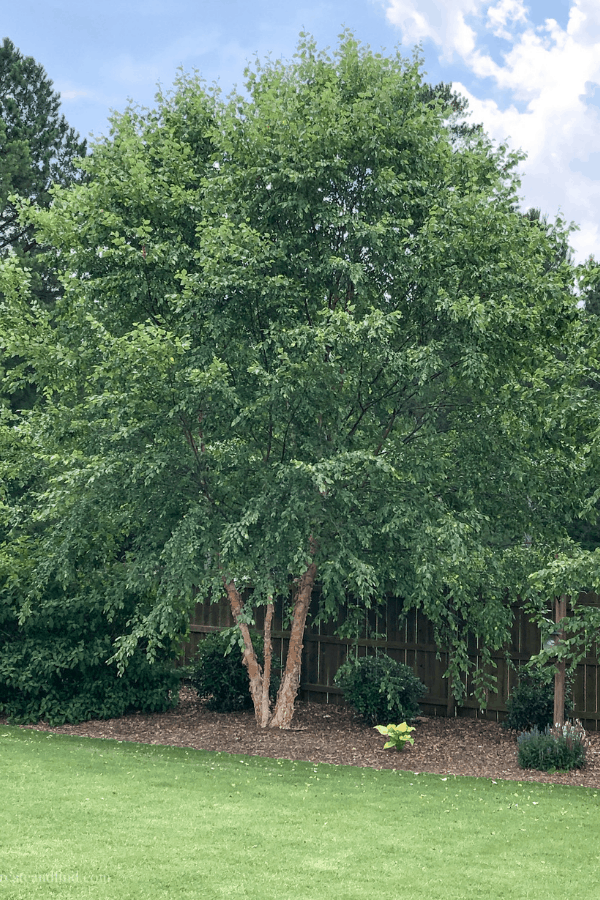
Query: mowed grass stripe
{"points": [[83, 817]]}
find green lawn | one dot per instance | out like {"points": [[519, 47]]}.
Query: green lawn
{"points": [[103, 819]]}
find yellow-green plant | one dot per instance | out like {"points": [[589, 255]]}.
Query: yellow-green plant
{"points": [[398, 735]]}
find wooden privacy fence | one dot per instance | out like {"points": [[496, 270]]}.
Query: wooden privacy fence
{"points": [[408, 638]]}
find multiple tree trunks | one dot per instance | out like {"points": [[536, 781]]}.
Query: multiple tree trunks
{"points": [[259, 678], [284, 707]]}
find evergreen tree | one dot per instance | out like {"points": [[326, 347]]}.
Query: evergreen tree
{"points": [[38, 149], [37, 145]]}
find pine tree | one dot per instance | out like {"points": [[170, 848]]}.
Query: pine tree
{"points": [[37, 145], [38, 149]]}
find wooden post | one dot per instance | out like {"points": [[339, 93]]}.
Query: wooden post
{"points": [[560, 611], [451, 702]]}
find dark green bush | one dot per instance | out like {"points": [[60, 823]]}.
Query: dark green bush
{"points": [[553, 749], [380, 689], [53, 664], [531, 703], [219, 675]]}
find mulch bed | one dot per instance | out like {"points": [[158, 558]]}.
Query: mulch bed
{"points": [[333, 734]]}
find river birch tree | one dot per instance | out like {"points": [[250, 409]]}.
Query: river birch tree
{"points": [[300, 343]]}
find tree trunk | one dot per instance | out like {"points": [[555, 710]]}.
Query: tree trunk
{"points": [[560, 611], [265, 705], [284, 708], [249, 658]]}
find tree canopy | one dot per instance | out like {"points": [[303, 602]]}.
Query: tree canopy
{"points": [[306, 336]]}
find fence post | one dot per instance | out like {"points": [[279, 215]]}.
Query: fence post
{"points": [[451, 702], [560, 611]]}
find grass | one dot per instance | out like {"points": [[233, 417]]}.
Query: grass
{"points": [[104, 819]]}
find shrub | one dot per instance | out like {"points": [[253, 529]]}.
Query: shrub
{"points": [[53, 664], [218, 674], [531, 703], [560, 748], [380, 689]]}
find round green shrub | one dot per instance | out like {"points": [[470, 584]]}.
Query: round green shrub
{"points": [[218, 674], [380, 689], [531, 703]]}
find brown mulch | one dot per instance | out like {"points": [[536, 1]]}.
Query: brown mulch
{"points": [[333, 734]]}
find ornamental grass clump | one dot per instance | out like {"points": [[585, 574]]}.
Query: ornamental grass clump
{"points": [[557, 749]]}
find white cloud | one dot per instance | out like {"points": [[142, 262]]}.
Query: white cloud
{"points": [[588, 240], [73, 93], [503, 13], [549, 71], [437, 20]]}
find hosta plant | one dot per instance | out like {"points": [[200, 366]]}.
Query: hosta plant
{"points": [[398, 735]]}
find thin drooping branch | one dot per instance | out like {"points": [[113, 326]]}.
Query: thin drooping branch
{"points": [[267, 455]]}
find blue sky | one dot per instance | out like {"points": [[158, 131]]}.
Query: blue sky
{"points": [[531, 71]]}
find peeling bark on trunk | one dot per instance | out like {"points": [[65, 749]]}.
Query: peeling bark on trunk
{"points": [[560, 611], [284, 708], [265, 706], [249, 659]]}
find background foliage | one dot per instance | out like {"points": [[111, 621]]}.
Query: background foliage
{"points": [[531, 703], [217, 673], [54, 640]]}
